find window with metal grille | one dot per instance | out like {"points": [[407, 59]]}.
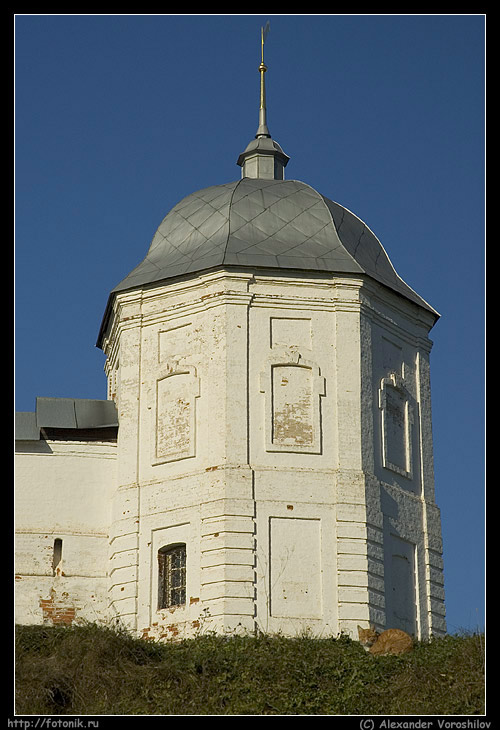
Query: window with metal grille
{"points": [[172, 576]]}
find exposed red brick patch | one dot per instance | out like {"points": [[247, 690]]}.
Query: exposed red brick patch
{"points": [[57, 612], [169, 632]]}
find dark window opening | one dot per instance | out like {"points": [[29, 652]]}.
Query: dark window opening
{"points": [[172, 576], [57, 556]]}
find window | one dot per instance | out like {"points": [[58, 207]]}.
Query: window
{"points": [[57, 556], [172, 576]]}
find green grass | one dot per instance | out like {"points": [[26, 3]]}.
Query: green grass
{"points": [[91, 670]]}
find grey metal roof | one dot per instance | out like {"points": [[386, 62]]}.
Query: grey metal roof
{"points": [[254, 222], [26, 427], [65, 413]]}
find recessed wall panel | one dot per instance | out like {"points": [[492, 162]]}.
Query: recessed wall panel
{"points": [[295, 568]]}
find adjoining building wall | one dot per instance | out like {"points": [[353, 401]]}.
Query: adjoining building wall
{"points": [[62, 514]]}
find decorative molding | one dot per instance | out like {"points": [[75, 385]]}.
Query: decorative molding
{"points": [[396, 425], [175, 414], [292, 387], [290, 332]]}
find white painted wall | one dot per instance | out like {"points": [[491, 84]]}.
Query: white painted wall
{"points": [[252, 410], [269, 391], [63, 491]]}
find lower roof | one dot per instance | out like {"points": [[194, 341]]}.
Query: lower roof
{"points": [[71, 414]]}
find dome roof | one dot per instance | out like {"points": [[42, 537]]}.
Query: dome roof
{"points": [[265, 223], [262, 221]]}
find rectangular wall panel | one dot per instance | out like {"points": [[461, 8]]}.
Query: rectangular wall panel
{"points": [[295, 568]]}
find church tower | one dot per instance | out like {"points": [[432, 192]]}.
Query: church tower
{"points": [[270, 371]]}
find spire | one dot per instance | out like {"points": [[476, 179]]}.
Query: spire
{"points": [[263, 157], [263, 131]]}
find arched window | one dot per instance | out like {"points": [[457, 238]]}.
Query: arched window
{"points": [[172, 576]]}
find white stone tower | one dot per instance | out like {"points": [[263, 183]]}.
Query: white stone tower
{"points": [[271, 376]]}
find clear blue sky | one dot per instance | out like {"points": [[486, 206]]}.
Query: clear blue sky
{"points": [[118, 117]]}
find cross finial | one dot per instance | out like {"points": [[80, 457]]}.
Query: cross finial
{"points": [[263, 34]]}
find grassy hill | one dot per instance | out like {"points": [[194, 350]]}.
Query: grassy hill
{"points": [[91, 670]]}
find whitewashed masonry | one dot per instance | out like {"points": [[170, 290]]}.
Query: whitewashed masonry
{"points": [[267, 462]]}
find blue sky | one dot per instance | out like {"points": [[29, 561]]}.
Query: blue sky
{"points": [[118, 117]]}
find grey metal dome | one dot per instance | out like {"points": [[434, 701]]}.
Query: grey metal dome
{"points": [[272, 224], [262, 221]]}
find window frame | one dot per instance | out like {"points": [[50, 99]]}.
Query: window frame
{"points": [[171, 578]]}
